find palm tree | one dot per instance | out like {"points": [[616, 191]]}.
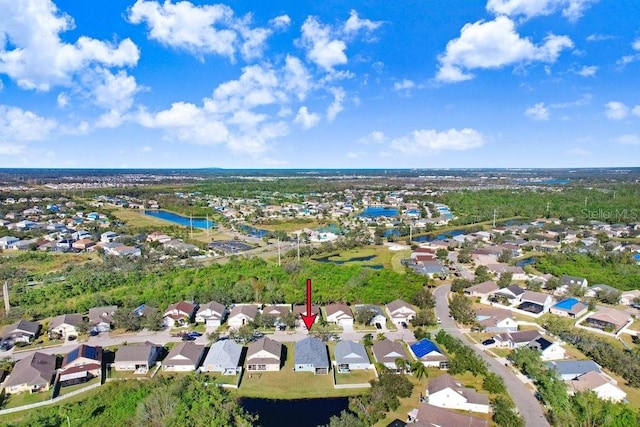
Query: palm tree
{"points": [[419, 370], [401, 364]]}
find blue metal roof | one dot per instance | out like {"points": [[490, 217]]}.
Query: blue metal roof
{"points": [[423, 347]]}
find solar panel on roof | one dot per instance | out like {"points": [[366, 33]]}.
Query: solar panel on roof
{"points": [[73, 355]]}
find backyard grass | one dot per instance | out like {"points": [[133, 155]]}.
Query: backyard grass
{"points": [[72, 388], [396, 259], [26, 398], [287, 384], [360, 376]]}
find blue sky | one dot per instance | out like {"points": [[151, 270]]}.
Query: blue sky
{"points": [[307, 84]]}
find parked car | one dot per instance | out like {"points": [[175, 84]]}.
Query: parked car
{"points": [[488, 342], [378, 326], [6, 345], [188, 338]]}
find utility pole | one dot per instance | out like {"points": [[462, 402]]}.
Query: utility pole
{"points": [[494, 218], [191, 226], [298, 246], [5, 294], [585, 201], [548, 206], [279, 262]]}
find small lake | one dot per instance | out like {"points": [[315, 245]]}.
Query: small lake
{"points": [[181, 220], [526, 261], [378, 211], [252, 231], [433, 237], [298, 412], [354, 259]]}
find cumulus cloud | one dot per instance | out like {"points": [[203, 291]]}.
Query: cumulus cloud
{"points": [[39, 59], [587, 71], [404, 84], [305, 119], [337, 104], [375, 137], [538, 112], [206, 29], [421, 141], [62, 100], [599, 37], [19, 127], [354, 24], [571, 9], [615, 110], [322, 47], [494, 44]]}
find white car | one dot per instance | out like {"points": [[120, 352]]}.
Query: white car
{"points": [[439, 320]]}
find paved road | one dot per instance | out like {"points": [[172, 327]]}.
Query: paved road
{"points": [[527, 404]]}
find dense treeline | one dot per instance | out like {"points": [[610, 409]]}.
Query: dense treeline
{"points": [[160, 402], [239, 280], [619, 204], [582, 409], [611, 269]]}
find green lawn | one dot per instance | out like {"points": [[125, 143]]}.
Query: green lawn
{"points": [[71, 388], [26, 398], [287, 384], [360, 376]]}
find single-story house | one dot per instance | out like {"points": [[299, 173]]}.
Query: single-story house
{"points": [[339, 314], [482, 290], [445, 391], [34, 373], [568, 370], [21, 331], [184, 357], [493, 319], [549, 350], [242, 314], [223, 357], [101, 318], [515, 339], [310, 355], [211, 314], [400, 312], [179, 314], [80, 365], [7, 241], [535, 302], [627, 297], [351, 355], [428, 353], [264, 355], [599, 384], [137, 357], [567, 281], [299, 310], [429, 416], [66, 325], [608, 319], [512, 293], [517, 273], [387, 352], [569, 307]]}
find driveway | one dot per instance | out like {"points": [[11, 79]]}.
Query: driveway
{"points": [[527, 404]]}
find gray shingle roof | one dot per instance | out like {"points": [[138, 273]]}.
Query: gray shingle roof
{"points": [[350, 352], [35, 369], [311, 351], [225, 353]]}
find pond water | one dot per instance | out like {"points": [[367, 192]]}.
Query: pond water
{"points": [[181, 220], [432, 237], [354, 259], [526, 261], [252, 231], [298, 412], [377, 211]]}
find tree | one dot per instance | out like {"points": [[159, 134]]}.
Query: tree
{"points": [[442, 254], [401, 364], [419, 370], [364, 315], [153, 320], [505, 256], [125, 318], [459, 285], [424, 317], [461, 309], [482, 274], [505, 279], [345, 419], [493, 383], [157, 409], [504, 413], [424, 299]]}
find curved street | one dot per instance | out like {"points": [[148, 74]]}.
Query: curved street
{"points": [[525, 401]]}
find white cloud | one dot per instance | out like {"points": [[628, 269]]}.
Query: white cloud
{"points": [[297, 79], [322, 47], [571, 9], [494, 44], [280, 22], [206, 29], [18, 126], [375, 137], [405, 84], [421, 141], [587, 71], [636, 44], [538, 112], [354, 155], [337, 104], [599, 37], [146, 149], [616, 110], [636, 111], [306, 119], [629, 139], [354, 24], [581, 102], [39, 59], [62, 100]]}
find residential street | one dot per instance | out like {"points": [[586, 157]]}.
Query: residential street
{"points": [[525, 401]]}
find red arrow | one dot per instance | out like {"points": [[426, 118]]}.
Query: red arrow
{"points": [[308, 318]]}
